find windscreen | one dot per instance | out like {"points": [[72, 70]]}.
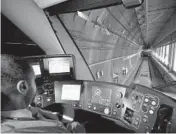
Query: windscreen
{"points": [[71, 92]]}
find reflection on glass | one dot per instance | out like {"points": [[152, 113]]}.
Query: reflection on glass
{"points": [[36, 69], [58, 66]]}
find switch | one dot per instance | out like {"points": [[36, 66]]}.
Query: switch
{"points": [[94, 108], [118, 105], [39, 105], [107, 111], [144, 108]]}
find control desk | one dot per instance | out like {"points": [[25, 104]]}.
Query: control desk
{"points": [[138, 108]]}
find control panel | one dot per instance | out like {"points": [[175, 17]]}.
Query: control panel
{"points": [[140, 109], [104, 99], [45, 92]]}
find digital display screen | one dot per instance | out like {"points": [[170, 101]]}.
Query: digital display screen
{"points": [[71, 92], [101, 95], [36, 69], [59, 66]]}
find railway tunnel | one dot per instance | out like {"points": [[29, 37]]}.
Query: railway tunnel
{"points": [[107, 39], [118, 43]]}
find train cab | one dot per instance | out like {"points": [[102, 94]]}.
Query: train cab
{"points": [[91, 64]]}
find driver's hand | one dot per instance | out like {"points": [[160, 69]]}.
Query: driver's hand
{"points": [[76, 127], [41, 114]]}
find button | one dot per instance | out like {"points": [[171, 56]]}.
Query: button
{"points": [[74, 104], [89, 106], [39, 105], [144, 108], [137, 118], [136, 97], [146, 100], [144, 120], [114, 113], [119, 95], [39, 98], [151, 112], [94, 108], [153, 103], [134, 106], [107, 111], [80, 105], [136, 122]]}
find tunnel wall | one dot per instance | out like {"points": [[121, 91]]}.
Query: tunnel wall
{"points": [[106, 58]]}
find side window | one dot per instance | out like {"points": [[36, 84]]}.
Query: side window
{"points": [[174, 64]]}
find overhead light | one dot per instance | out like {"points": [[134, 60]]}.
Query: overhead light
{"points": [[47, 3], [83, 16]]}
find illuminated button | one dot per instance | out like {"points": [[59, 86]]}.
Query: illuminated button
{"points": [[80, 105], [107, 111], [153, 103], [48, 99], [151, 112], [146, 100], [89, 106], [94, 108]]}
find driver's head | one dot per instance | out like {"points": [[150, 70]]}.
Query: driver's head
{"points": [[17, 83]]}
